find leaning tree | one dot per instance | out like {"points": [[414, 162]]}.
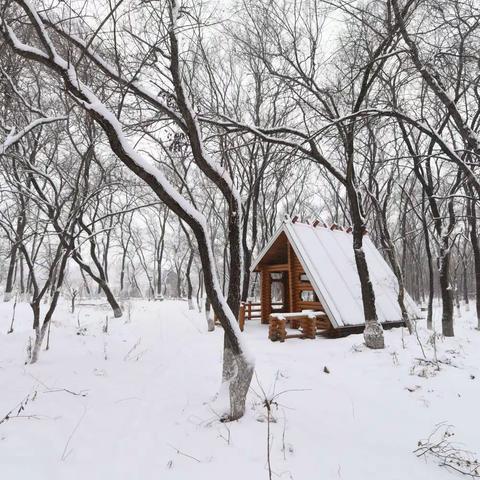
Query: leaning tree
{"points": [[91, 78]]}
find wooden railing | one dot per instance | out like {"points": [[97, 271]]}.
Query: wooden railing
{"points": [[253, 310]]}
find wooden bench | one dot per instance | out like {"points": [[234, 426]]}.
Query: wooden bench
{"points": [[308, 322]]}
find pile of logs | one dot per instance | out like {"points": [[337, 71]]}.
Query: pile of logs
{"points": [[308, 326], [276, 329], [308, 323]]}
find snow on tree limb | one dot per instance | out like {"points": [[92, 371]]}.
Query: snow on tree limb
{"points": [[135, 160], [13, 136]]}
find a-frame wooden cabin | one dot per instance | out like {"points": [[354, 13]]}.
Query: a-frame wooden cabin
{"points": [[312, 268], [280, 265]]}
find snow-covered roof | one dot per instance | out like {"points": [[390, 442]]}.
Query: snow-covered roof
{"points": [[327, 258]]}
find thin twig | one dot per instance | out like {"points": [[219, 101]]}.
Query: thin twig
{"points": [[179, 452], [67, 452]]}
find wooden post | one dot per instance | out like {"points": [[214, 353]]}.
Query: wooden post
{"points": [[291, 280], [241, 317], [276, 329], [249, 310], [309, 327], [266, 294], [286, 291]]}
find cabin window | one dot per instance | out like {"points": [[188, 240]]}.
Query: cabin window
{"points": [[277, 288], [277, 292], [308, 296], [304, 278]]}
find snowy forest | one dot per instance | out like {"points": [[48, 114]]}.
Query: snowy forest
{"points": [[154, 155]]}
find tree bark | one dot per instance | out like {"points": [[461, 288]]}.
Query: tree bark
{"points": [[21, 221], [446, 289], [431, 277], [373, 333], [472, 217], [208, 316], [189, 281]]}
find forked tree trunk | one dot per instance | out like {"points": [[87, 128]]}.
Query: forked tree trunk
{"points": [[40, 332], [101, 279], [373, 333]]}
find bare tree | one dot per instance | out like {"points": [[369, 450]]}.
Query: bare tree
{"points": [[238, 364]]}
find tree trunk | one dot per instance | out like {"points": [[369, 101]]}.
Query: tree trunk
{"points": [[117, 311], [179, 283], [10, 274], [189, 281], [20, 229], [159, 272], [247, 261], [457, 298], [122, 270], [393, 258], [208, 316], [237, 375], [40, 332], [466, 299], [39, 336], [101, 282], [22, 277], [373, 333], [446, 289], [199, 291], [431, 284], [87, 287], [472, 216]]}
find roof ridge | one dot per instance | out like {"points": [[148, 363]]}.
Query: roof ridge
{"points": [[317, 223]]}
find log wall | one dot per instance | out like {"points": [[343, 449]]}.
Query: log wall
{"points": [[293, 284]]}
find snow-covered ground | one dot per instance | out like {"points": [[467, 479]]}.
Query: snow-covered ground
{"points": [[135, 402]]}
